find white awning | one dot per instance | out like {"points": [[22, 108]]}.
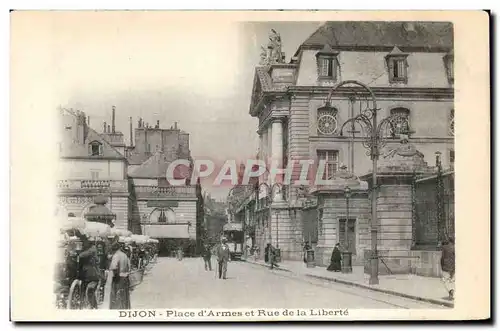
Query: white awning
{"points": [[166, 230]]}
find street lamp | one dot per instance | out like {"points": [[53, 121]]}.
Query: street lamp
{"points": [[373, 140], [347, 258]]}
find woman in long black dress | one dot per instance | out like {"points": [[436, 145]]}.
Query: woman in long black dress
{"points": [[335, 261]]}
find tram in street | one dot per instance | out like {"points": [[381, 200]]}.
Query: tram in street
{"points": [[235, 239]]}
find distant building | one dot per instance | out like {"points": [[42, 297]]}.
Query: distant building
{"points": [[132, 177], [90, 166]]}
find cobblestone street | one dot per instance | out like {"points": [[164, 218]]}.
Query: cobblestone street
{"points": [[186, 284]]}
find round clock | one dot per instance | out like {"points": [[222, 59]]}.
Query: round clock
{"points": [[327, 124]]}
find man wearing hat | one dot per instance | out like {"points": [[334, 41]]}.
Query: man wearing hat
{"points": [[223, 257]]}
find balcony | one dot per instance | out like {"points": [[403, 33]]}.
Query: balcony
{"points": [[162, 192], [92, 186]]}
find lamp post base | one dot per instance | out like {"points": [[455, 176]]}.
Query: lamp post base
{"points": [[346, 262], [374, 271]]}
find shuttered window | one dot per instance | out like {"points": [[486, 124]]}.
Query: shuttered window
{"points": [[327, 67], [398, 69]]}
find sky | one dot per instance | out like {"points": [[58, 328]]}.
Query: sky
{"points": [[172, 70]]}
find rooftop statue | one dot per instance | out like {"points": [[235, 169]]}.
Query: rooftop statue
{"points": [[273, 53]]}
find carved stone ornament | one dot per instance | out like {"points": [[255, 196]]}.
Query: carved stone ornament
{"points": [[404, 157], [272, 54]]}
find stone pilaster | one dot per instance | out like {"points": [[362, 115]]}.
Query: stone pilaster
{"points": [[277, 153], [286, 231]]}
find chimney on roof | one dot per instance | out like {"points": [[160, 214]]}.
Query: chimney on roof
{"points": [[109, 128], [104, 130], [113, 120], [410, 29], [175, 125], [131, 136], [157, 124]]}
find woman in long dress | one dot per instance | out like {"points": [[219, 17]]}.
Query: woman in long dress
{"points": [[335, 260]]}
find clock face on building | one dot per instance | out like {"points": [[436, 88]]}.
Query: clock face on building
{"points": [[327, 124]]}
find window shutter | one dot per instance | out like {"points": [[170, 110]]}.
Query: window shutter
{"points": [[323, 69], [401, 68], [90, 149], [101, 149], [334, 68]]}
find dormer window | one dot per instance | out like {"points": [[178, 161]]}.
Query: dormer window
{"points": [[95, 148], [397, 66], [449, 65], [327, 62]]}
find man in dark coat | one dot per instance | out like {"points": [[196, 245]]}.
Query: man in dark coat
{"points": [[335, 260], [207, 257], [89, 272], [448, 266], [271, 255], [223, 257]]}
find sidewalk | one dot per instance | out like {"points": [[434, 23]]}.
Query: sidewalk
{"points": [[428, 289]]}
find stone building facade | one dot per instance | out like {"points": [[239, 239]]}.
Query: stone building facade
{"points": [[408, 66], [133, 178]]}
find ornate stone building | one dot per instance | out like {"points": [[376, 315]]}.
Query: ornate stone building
{"points": [[90, 166], [133, 178], [408, 66]]}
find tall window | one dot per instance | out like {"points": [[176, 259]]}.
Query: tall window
{"points": [[350, 244], [94, 174], [95, 148], [331, 159]]}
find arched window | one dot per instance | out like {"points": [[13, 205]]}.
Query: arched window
{"points": [[162, 215], [95, 148], [327, 120], [400, 125]]}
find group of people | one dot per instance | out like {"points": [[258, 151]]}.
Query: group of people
{"points": [[117, 259], [221, 251]]}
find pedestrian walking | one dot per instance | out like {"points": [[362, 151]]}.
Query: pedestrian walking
{"points": [[335, 260], [306, 248], [271, 256], [120, 267], [207, 257], [223, 258], [448, 267]]}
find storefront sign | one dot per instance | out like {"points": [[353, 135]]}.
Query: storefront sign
{"points": [[162, 204]]}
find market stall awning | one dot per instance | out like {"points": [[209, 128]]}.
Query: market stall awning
{"points": [[166, 230]]}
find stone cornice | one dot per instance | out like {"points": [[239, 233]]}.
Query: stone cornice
{"points": [[266, 97], [422, 140], [356, 48], [397, 92]]}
